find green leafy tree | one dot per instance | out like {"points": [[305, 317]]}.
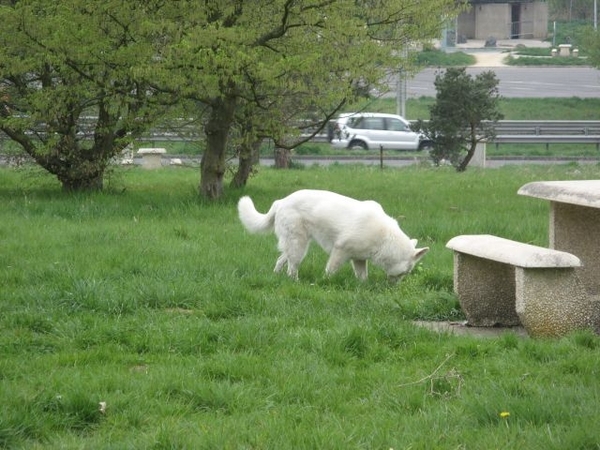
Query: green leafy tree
{"points": [[592, 45], [70, 95], [245, 69], [464, 114], [263, 68], [571, 9]]}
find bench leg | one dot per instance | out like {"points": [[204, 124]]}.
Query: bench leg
{"points": [[574, 229], [486, 291], [554, 302]]}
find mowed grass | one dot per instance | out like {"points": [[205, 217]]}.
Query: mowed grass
{"points": [[549, 108], [144, 317]]}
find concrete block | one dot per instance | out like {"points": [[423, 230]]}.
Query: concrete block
{"points": [[564, 49], [151, 157]]}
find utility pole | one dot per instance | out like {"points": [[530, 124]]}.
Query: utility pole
{"points": [[401, 93], [401, 87]]}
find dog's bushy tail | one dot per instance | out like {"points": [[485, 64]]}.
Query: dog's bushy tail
{"points": [[254, 221]]}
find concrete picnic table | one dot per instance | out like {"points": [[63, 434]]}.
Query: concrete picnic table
{"points": [[574, 222]]}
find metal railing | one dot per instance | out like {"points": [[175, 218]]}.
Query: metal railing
{"points": [[548, 132], [507, 132]]}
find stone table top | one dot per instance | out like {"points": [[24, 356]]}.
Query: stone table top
{"points": [[576, 192]]}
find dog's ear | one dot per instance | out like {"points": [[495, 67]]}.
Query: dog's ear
{"points": [[419, 253], [414, 242]]}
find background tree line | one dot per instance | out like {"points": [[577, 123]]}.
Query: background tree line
{"points": [[240, 71]]}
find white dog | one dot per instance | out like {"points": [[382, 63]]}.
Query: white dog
{"points": [[347, 229]]}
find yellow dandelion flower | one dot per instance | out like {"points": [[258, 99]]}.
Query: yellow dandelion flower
{"points": [[504, 414]]}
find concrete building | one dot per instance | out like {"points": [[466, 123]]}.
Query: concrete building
{"points": [[503, 19]]}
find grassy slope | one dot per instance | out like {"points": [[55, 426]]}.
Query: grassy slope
{"points": [[147, 299], [512, 108]]}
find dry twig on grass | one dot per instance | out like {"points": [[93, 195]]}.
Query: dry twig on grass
{"points": [[436, 381]]}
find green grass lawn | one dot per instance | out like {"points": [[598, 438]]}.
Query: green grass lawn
{"points": [[159, 306], [519, 56], [512, 108], [524, 59], [439, 58]]}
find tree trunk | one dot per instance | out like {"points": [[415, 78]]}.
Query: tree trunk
{"points": [[247, 159], [467, 159], [91, 183], [465, 162], [282, 158], [85, 169], [213, 164], [76, 168]]}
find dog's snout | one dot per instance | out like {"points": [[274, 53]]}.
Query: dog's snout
{"points": [[395, 279]]}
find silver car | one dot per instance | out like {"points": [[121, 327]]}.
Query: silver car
{"points": [[374, 131]]}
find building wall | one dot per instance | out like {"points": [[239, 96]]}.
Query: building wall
{"points": [[492, 20], [482, 21], [465, 23], [536, 13]]}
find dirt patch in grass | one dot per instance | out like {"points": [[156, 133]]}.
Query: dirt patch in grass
{"points": [[461, 328]]}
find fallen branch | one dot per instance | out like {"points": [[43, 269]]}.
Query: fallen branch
{"points": [[431, 375], [441, 385]]}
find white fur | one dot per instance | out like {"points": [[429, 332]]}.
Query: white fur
{"points": [[347, 229]]}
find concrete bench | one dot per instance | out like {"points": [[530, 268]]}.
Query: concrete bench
{"points": [[151, 157], [500, 282], [564, 49]]}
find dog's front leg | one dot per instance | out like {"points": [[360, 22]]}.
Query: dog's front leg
{"points": [[360, 269], [335, 261]]}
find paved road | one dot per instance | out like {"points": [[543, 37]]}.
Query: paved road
{"points": [[523, 82]]}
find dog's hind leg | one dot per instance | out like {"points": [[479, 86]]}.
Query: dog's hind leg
{"points": [[296, 253], [280, 263], [360, 269], [293, 250]]}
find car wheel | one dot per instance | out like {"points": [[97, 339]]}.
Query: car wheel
{"points": [[426, 145], [358, 145]]}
